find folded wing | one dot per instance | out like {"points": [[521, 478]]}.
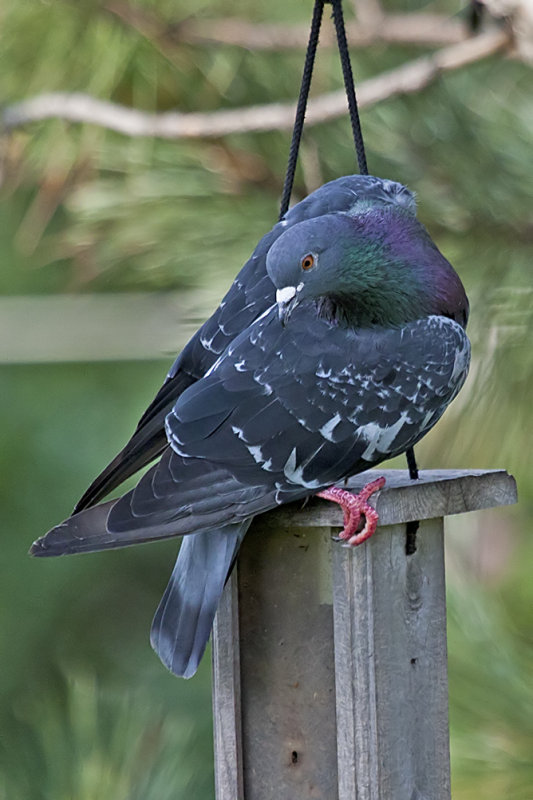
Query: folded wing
{"points": [[251, 293], [284, 413]]}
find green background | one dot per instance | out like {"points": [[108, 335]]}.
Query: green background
{"points": [[86, 710]]}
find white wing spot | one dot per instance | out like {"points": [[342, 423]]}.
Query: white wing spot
{"points": [[323, 373], [294, 473], [380, 439], [460, 364], [207, 343], [327, 429], [254, 449]]}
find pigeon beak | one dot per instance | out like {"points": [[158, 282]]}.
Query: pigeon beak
{"points": [[287, 301]]}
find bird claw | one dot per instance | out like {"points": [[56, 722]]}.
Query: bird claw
{"points": [[355, 507]]}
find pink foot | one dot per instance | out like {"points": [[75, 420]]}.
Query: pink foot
{"points": [[354, 507]]}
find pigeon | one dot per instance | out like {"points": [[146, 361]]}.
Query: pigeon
{"points": [[251, 293], [356, 359]]}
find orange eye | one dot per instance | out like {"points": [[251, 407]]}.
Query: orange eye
{"points": [[308, 261]]}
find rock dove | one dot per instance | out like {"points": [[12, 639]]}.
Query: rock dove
{"points": [[357, 358], [251, 293]]}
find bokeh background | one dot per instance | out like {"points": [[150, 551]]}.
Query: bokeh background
{"points": [[86, 710]]}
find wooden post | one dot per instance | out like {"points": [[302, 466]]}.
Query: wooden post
{"points": [[330, 677]]}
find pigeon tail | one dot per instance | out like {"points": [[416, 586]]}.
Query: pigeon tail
{"points": [[184, 618]]}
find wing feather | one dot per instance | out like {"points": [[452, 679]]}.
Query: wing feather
{"points": [[249, 296], [372, 394]]}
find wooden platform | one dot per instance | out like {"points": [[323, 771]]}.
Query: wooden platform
{"points": [[330, 673], [437, 493]]}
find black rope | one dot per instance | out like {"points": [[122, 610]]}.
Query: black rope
{"points": [[301, 106], [411, 464], [474, 15], [344, 53]]}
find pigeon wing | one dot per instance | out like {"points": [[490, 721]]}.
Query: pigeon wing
{"points": [[284, 413], [251, 293]]}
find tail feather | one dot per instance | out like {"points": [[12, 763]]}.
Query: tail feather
{"points": [[184, 619]]}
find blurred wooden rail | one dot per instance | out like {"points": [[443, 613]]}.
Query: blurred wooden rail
{"points": [[100, 327], [330, 675]]}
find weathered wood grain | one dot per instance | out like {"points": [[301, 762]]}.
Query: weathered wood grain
{"points": [[227, 696], [355, 678], [287, 665], [330, 675], [390, 668]]}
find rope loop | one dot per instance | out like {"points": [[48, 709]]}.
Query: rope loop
{"points": [[314, 33]]}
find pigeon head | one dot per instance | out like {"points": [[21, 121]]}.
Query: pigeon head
{"points": [[378, 268]]}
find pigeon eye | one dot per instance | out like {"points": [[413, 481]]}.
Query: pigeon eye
{"points": [[308, 261]]}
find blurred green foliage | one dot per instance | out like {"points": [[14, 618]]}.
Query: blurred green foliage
{"points": [[85, 708]]}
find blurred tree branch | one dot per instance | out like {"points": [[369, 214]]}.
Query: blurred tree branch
{"points": [[372, 26], [369, 13], [408, 78]]}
